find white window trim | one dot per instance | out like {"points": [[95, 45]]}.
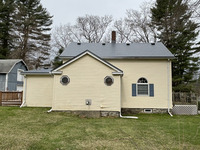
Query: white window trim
{"points": [[64, 84]]}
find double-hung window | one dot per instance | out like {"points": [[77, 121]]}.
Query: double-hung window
{"points": [[142, 88]]}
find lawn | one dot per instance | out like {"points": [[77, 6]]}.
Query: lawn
{"points": [[34, 128]]}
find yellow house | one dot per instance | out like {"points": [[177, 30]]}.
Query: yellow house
{"points": [[104, 79]]}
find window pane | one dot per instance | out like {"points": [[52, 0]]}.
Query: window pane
{"points": [[108, 81], [19, 76], [143, 89], [64, 80], [142, 80]]}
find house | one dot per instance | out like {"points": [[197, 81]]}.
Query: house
{"points": [[10, 77], [105, 79]]}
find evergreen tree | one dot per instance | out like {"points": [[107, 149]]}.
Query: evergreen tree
{"points": [[178, 32], [6, 26], [57, 61], [31, 29]]}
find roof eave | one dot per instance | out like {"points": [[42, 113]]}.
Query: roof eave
{"points": [[35, 73], [118, 73], [91, 54], [20, 60], [128, 57]]}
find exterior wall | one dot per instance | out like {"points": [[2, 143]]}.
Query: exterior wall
{"points": [[12, 77], [38, 91], [86, 82], [156, 72], [2, 82]]}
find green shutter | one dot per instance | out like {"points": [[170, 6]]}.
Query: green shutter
{"points": [[133, 89], [151, 90]]}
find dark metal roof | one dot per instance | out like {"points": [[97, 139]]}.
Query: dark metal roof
{"points": [[119, 50], [38, 72], [7, 64]]}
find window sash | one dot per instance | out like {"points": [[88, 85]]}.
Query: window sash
{"points": [[142, 89], [19, 76]]}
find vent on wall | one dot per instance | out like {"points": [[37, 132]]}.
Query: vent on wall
{"points": [[148, 111], [88, 102]]}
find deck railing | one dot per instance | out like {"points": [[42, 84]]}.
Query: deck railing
{"points": [[10, 98]]}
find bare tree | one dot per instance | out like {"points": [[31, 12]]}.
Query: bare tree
{"points": [[195, 8], [124, 31], [136, 27], [93, 28], [63, 35], [87, 29]]}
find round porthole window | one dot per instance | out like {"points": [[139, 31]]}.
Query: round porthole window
{"points": [[64, 80], [108, 80]]}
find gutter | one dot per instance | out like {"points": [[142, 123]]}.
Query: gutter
{"points": [[36, 73], [168, 85], [24, 92], [127, 57], [120, 115], [55, 72]]}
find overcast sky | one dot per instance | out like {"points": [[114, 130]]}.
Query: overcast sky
{"points": [[67, 11]]}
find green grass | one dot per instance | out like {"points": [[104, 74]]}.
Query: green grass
{"points": [[34, 128]]}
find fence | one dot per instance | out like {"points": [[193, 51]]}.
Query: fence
{"points": [[185, 103], [183, 98], [10, 98]]}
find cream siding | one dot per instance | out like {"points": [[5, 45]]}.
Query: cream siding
{"points": [[86, 82], [156, 72], [39, 91]]}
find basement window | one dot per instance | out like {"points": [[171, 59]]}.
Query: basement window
{"points": [[108, 80], [64, 80]]}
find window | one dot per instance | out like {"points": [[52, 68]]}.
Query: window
{"points": [[64, 80], [108, 80], [142, 86], [19, 76]]}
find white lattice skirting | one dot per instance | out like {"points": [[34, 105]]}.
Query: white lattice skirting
{"points": [[185, 110]]}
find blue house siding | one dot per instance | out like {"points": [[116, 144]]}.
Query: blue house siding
{"points": [[2, 82], [12, 76]]}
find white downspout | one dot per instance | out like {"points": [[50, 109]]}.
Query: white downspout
{"points": [[168, 86], [24, 92], [6, 83], [131, 117], [50, 110], [53, 92]]}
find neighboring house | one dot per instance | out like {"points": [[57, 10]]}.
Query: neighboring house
{"points": [[105, 78], [10, 74]]}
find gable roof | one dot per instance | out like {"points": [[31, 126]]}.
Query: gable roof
{"points": [[87, 52], [119, 50], [56, 70], [6, 65]]}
